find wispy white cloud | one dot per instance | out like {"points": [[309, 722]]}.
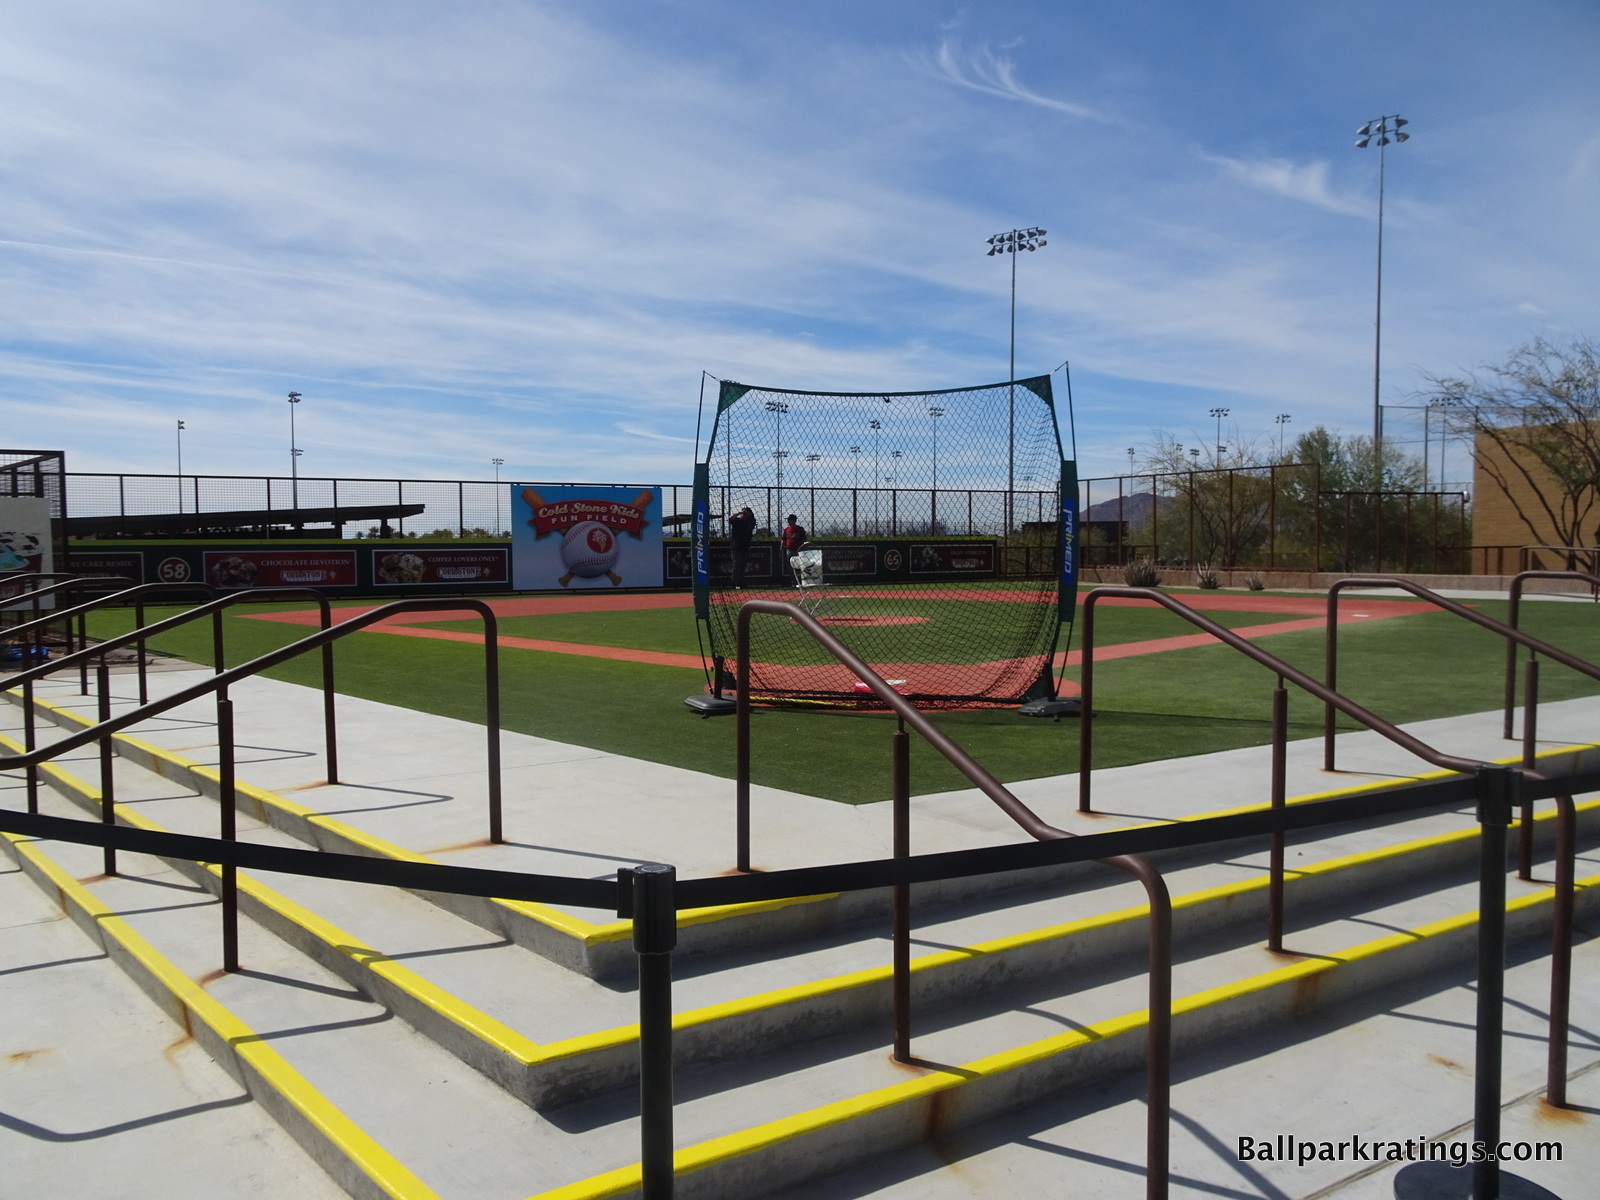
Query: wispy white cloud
{"points": [[983, 70], [1305, 182]]}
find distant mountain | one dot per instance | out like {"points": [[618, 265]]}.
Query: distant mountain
{"points": [[1132, 508]]}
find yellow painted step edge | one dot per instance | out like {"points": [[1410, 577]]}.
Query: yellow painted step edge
{"points": [[355, 1144], [587, 932], [526, 1051], [705, 1154]]}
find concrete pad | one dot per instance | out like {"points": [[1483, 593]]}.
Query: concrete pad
{"points": [[103, 1096]]}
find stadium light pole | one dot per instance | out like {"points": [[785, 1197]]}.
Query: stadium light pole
{"points": [[498, 526], [877, 471], [1219, 413], [1131, 453], [180, 466], [934, 413], [855, 457], [813, 459], [1011, 242], [294, 453], [777, 408], [1281, 420], [1384, 130]]}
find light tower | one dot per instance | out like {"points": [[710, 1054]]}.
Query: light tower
{"points": [[1384, 130], [1012, 242], [294, 452]]}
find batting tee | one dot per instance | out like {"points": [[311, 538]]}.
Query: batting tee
{"points": [[926, 506]]}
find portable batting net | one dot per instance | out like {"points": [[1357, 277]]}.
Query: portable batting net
{"points": [[939, 524]]}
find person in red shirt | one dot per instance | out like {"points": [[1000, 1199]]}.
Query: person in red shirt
{"points": [[794, 536]]}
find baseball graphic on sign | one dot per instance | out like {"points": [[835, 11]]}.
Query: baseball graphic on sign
{"points": [[589, 551]]}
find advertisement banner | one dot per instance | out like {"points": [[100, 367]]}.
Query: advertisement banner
{"points": [[444, 568], [280, 568], [93, 562], [975, 558], [25, 543], [585, 537]]}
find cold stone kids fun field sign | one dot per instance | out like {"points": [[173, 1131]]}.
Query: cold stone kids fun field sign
{"points": [[585, 537]]}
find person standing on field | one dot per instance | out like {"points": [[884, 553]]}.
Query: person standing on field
{"points": [[794, 537], [741, 527]]}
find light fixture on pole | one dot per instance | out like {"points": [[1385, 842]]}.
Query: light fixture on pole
{"points": [[294, 453], [1012, 242], [499, 526], [813, 459], [1219, 413], [1383, 130], [1281, 420], [894, 467], [180, 468], [1131, 453], [855, 456]]}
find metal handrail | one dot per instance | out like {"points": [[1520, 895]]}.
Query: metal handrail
{"points": [[219, 683], [1280, 726], [1513, 616], [38, 624], [1566, 847], [651, 897], [25, 679], [1159, 1053], [137, 592]]}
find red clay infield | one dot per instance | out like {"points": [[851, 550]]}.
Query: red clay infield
{"points": [[920, 677]]}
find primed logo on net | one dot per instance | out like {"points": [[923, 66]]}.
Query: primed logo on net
{"points": [[1290, 1149]]}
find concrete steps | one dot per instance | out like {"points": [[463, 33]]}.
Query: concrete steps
{"points": [[370, 998]]}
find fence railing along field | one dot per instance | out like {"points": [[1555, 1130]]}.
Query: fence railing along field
{"points": [[1271, 518]]}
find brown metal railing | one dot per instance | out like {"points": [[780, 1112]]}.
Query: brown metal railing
{"points": [[107, 726], [140, 633], [1513, 618], [35, 628], [1566, 812], [1280, 725], [1159, 1047]]}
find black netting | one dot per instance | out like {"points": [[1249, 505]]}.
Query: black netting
{"points": [[935, 515]]}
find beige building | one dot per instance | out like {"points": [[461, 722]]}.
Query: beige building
{"points": [[1516, 513]]}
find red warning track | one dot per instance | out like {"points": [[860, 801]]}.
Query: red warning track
{"points": [[920, 677]]}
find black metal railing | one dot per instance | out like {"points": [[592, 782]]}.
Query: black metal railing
{"points": [[651, 896]]}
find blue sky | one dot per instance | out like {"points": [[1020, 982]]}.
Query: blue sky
{"points": [[523, 229]]}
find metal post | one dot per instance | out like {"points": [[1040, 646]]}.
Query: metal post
{"points": [[655, 933], [1530, 734], [138, 650], [1330, 676], [741, 755], [29, 744], [1280, 734], [108, 783], [491, 716], [902, 897], [1561, 950], [1497, 793], [228, 831], [1086, 710]]}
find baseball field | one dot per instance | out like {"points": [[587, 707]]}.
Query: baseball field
{"points": [[611, 670]]}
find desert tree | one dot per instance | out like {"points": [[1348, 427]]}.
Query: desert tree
{"points": [[1536, 421]]}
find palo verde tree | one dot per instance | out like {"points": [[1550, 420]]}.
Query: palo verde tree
{"points": [[1536, 417]]}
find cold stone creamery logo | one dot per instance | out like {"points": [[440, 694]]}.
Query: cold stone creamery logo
{"points": [[589, 530]]}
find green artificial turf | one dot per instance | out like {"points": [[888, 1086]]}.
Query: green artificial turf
{"points": [[1164, 705], [944, 639]]}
